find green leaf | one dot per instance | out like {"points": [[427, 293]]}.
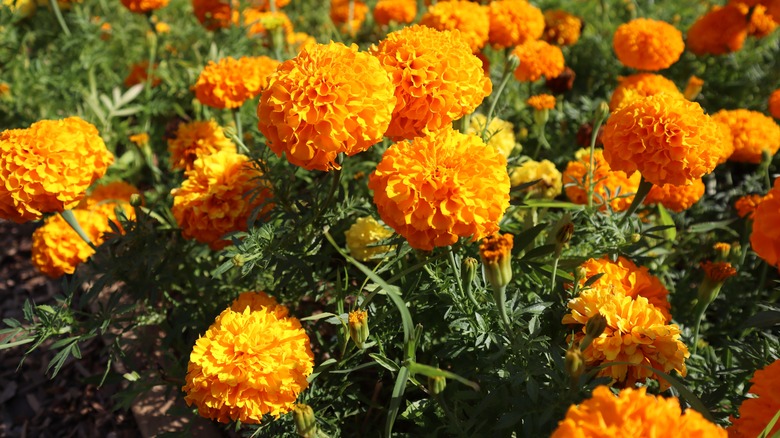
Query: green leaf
{"points": [[527, 237], [395, 401], [666, 220], [385, 362], [552, 204], [320, 369], [768, 428], [764, 319], [318, 316], [539, 251], [711, 226], [427, 370], [592, 279]]}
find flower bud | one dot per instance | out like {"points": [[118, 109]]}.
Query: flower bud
{"points": [[595, 326], [602, 112], [693, 88], [436, 384], [723, 249], [467, 273], [305, 423], [580, 274], [238, 260], [715, 275], [512, 63], [564, 229], [358, 327], [496, 254], [574, 363], [541, 117], [136, 200]]}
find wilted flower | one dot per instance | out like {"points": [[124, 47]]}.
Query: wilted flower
{"points": [[196, 139], [646, 44], [609, 186], [752, 134], [676, 198], [641, 85], [765, 238], [537, 59], [513, 23], [363, 236], [400, 11], [500, 133], [231, 82], [756, 413], [550, 179], [471, 19], [561, 27]]}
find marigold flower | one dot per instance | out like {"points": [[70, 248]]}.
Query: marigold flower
{"points": [[339, 14], [257, 301], [513, 23], [144, 6], [756, 413], [496, 254], [633, 413], [761, 22], [610, 186], [751, 132], [440, 187], [400, 11], [259, 22], [265, 5], [676, 198], [216, 14], [214, 200], [641, 85], [722, 248], [693, 87], [139, 139], [24, 8], [625, 277], [726, 139], [774, 104], [48, 167], [327, 100], [116, 191], [194, 140], [636, 332], [561, 27], [57, 249], [363, 236], [537, 59], [765, 238], [139, 74], [746, 206], [298, 41], [250, 363], [668, 139], [231, 82], [718, 271], [646, 44], [719, 31], [500, 133], [550, 179], [358, 327], [429, 93], [471, 19]]}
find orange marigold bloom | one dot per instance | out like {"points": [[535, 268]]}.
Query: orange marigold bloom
{"points": [[265, 5], [496, 247], [611, 186], [231, 82], [636, 332], [746, 206], [298, 41], [760, 21], [57, 249], [259, 22], [537, 59], [726, 140], [214, 200], [668, 139], [339, 13], [676, 198], [774, 104], [646, 44], [48, 167], [751, 132], [718, 271], [756, 413], [139, 73], [429, 93], [194, 140], [625, 277], [327, 100], [4, 89], [633, 413], [144, 6], [513, 23], [471, 19], [440, 187], [765, 238], [693, 87], [252, 361], [641, 85], [400, 11], [541, 102], [719, 31], [216, 14], [561, 27]]}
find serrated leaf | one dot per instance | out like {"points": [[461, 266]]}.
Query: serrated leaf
{"points": [[385, 362], [130, 94], [666, 220]]}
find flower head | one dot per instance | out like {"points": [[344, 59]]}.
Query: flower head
{"points": [[609, 186], [513, 23], [537, 59], [196, 139], [751, 132], [746, 206], [440, 187], [719, 31], [358, 327], [646, 44], [363, 236], [641, 85], [718, 271], [216, 14], [48, 167], [774, 104], [214, 199], [496, 254], [561, 27], [57, 249], [676, 198], [400, 11], [633, 413], [500, 133], [541, 102], [250, 363], [139, 140], [550, 179], [231, 82], [259, 22], [329, 99], [298, 41], [340, 14], [144, 6], [139, 72], [471, 19], [756, 413], [765, 238], [668, 139], [430, 93]]}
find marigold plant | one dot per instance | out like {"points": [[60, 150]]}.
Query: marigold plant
{"points": [[646, 44], [756, 413], [500, 133], [561, 27], [196, 139], [144, 6], [550, 180], [400, 11], [765, 238], [752, 134], [612, 187], [641, 85], [538, 59], [721, 30], [676, 198], [440, 187], [231, 82], [330, 99], [363, 236], [513, 23], [471, 19]]}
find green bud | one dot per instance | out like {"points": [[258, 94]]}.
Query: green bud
{"points": [[595, 326], [512, 63], [564, 230], [358, 327], [305, 423], [437, 384], [602, 112], [136, 200], [238, 260], [467, 273], [574, 363]]}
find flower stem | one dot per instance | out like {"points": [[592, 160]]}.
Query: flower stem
{"points": [[58, 13], [237, 119], [641, 194], [699, 310], [554, 274], [593, 136], [494, 100]]}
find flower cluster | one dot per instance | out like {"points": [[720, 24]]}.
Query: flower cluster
{"points": [[646, 44], [500, 133], [252, 361], [231, 82], [765, 238], [440, 187], [756, 413], [399, 11], [550, 180], [329, 99], [613, 187], [471, 19], [561, 27], [194, 140], [363, 236], [513, 23], [751, 132], [676, 198], [641, 85], [538, 59]]}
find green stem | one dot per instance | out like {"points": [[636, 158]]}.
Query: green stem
{"points": [[699, 310], [554, 273], [641, 194], [150, 77], [237, 119], [70, 218], [455, 270], [593, 136], [500, 297], [494, 100], [542, 141], [58, 13]]}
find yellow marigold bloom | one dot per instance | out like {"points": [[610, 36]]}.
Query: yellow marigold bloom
{"points": [[550, 179], [541, 102], [194, 140], [500, 133], [257, 301], [722, 247], [162, 27], [440, 187], [48, 167], [641, 85], [676, 198], [751, 132], [646, 44], [139, 139], [216, 14], [719, 31], [231, 82], [765, 238], [400, 11], [513, 23], [329, 99], [633, 413], [668, 139], [561, 27], [363, 236], [625, 277], [537, 59], [298, 41], [611, 186], [339, 13], [213, 200], [756, 413], [144, 6], [428, 96], [57, 249], [138, 74], [250, 363], [259, 22], [471, 19], [265, 5], [746, 206], [774, 103], [636, 332]]}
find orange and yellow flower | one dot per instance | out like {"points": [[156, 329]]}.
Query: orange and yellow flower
{"points": [[646, 44], [561, 27], [399, 11], [471, 19], [340, 15], [194, 140], [719, 31], [57, 249], [756, 413], [538, 59], [231, 82], [260, 23], [752, 133], [611, 187], [541, 102], [765, 238], [641, 85], [500, 133], [550, 179], [513, 23], [676, 198], [139, 73]]}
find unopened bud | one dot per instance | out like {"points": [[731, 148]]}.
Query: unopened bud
{"points": [[574, 363], [238, 260], [305, 423], [564, 229], [595, 326], [512, 63], [580, 274], [436, 384], [136, 200], [496, 253], [358, 327], [602, 112], [541, 117], [467, 273], [635, 237]]}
